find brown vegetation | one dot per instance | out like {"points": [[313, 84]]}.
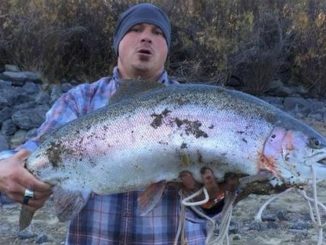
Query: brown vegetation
{"points": [[255, 42]]}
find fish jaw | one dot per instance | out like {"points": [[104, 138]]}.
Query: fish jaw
{"points": [[292, 154]]}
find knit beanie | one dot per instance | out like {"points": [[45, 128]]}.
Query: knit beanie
{"points": [[142, 13]]}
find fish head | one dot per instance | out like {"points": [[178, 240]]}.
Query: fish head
{"points": [[291, 154]]}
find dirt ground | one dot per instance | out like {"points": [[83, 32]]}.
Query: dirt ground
{"points": [[285, 221]]}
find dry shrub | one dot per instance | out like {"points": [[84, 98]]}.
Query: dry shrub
{"points": [[62, 39], [309, 49], [211, 40], [256, 63]]}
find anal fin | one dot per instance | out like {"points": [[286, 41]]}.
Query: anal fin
{"points": [[148, 199], [68, 204]]}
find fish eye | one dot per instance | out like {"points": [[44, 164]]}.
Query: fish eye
{"points": [[314, 143]]}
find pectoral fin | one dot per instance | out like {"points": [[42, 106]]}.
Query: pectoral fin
{"points": [[150, 197], [68, 204]]}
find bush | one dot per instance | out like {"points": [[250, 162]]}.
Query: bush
{"points": [[254, 40]]}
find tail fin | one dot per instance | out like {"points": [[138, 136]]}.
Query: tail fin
{"points": [[25, 218]]}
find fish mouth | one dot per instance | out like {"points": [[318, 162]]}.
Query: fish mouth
{"points": [[322, 161], [319, 158]]}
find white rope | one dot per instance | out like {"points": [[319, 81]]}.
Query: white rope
{"points": [[226, 220], [187, 202], [319, 225], [309, 199], [230, 197], [313, 210], [212, 237], [258, 216]]}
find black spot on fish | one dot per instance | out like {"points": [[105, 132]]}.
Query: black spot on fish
{"points": [[182, 101], [244, 140], [163, 143], [92, 163], [273, 136], [191, 127], [158, 118], [178, 122], [183, 146], [240, 132], [271, 118], [81, 141], [211, 127], [200, 157], [55, 152]]}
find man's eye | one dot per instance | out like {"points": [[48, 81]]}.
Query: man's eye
{"points": [[135, 29], [158, 32]]}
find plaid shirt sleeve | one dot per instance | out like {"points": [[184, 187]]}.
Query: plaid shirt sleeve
{"points": [[71, 105]]}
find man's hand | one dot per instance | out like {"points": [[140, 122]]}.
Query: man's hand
{"points": [[15, 179], [215, 190], [209, 181]]}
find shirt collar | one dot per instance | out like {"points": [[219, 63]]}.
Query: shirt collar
{"points": [[163, 78]]}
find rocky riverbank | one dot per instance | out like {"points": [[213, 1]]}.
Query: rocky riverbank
{"points": [[24, 99]]}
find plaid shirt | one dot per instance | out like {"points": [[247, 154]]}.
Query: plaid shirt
{"points": [[114, 219]]}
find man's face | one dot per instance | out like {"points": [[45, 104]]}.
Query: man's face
{"points": [[142, 52]]}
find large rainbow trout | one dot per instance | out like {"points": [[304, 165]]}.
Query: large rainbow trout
{"points": [[156, 135]]}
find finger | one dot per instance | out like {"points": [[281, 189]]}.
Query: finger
{"points": [[14, 190], [232, 182], [22, 155], [188, 181], [29, 180], [36, 203], [209, 181], [41, 195]]}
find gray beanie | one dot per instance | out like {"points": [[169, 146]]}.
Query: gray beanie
{"points": [[141, 13]]}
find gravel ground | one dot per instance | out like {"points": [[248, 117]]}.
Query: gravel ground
{"points": [[285, 221]]}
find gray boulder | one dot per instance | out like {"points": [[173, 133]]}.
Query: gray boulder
{"points": [[5, 84], [5, 113], [3, 143], [31, 88], [24, 120], [8, 127], [19, 78], [14, 68]]}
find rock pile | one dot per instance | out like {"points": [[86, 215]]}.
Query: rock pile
{"points": [[24, 100]]}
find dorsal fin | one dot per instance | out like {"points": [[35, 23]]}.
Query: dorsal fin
{"points": [[130, 88]]}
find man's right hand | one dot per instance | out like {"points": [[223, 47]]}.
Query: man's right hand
{"points": [[15, 179]]}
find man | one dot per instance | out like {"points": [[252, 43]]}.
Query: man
{"points": [[141, 42]]}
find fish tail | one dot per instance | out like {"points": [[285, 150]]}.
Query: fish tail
{"points": [[25, 218]]}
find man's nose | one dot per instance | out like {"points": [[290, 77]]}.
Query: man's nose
{"points": [[146, 37]]}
